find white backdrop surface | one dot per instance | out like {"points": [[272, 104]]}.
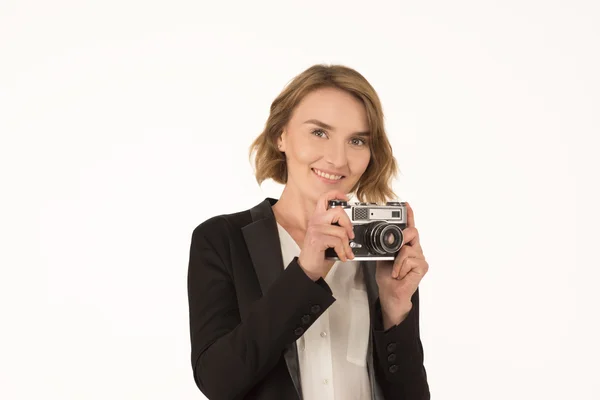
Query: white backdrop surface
{"points": [[124, 124]]}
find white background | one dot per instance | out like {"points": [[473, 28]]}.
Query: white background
{"points": [[124, 124]]}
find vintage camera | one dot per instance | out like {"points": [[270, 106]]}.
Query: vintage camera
{"points": [[377, 229]]}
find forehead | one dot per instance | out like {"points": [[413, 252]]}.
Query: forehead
{"points": [[333, 106]]}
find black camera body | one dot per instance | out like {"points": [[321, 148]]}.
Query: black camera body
{"points": [[377, 229]]}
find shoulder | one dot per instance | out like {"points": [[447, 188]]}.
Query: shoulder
{"points": [[222, 225], [221, 229]]}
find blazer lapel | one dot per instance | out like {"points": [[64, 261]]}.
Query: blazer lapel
{"points": [[262, 240]]}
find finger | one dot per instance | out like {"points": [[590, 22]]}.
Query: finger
{"points": [[411, 236], [337, 215], [408, 264], [340, 234], [417, 267], [410, 216], [338, 245], [405, 252], [323, 201]]}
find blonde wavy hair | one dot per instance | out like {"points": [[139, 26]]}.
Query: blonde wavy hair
{"points": [[269, 163]]}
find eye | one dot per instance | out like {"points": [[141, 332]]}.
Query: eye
{"points": [[319, 132], [357, 141]]}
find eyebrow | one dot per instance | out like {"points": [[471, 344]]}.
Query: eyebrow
{"points": [[331, 128]]}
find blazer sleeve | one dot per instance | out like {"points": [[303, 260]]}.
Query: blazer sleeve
{"points": [[229, 354], [399, 356]]}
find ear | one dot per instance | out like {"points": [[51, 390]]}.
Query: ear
{"points": [[281, 142]]}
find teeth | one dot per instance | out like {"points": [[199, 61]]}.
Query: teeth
{"points": [[325, 175]]}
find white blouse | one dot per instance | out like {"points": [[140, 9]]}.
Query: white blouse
{"points": [[333, 351]]}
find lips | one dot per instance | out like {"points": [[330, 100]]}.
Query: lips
{"points": [[327, 176]]}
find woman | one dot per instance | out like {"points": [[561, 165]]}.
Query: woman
{"points": [[270, 316]]}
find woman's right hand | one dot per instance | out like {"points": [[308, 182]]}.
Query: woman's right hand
{"points": [[321, 234]]}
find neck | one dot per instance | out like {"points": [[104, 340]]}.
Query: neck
{"points": [[293, 209]]}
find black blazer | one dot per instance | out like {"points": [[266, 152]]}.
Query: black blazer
{"points": [[246, 312]]}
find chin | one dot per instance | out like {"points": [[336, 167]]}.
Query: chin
{"points": [[317, 192]]}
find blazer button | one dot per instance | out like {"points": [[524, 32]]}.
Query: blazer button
{"points": [[391, 358], [391, 347], [315, 309], [299, 331], [305, 319], [394, 369]]}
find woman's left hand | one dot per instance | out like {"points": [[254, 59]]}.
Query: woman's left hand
{"points": [[398, 280]]}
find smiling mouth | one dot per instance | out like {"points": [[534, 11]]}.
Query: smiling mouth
{"points": [[327, 176]]}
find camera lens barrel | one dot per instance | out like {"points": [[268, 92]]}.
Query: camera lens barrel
{"points": [[384, 238]]}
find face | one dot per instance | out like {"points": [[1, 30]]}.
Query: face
{"points": [[326, 143]]}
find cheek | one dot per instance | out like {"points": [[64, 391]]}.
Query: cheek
{"points": [[360, 163], [304, 153]]}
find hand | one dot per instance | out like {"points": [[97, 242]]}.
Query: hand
{"points": [[398, 280], [321, 234]]}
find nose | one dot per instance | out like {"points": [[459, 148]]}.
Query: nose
{"points": [[335, 154]]}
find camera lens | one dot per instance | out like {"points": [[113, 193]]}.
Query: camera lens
{"points": [[384, 238]]}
